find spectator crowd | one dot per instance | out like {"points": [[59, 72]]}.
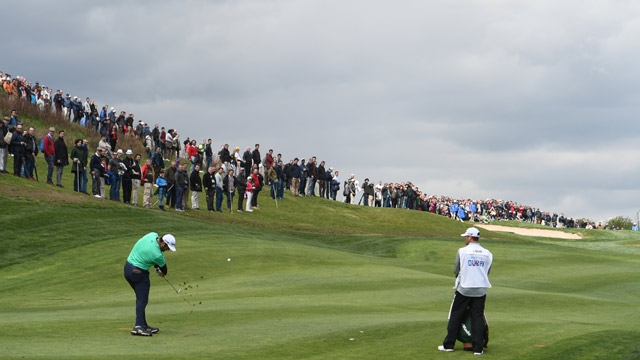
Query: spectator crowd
{"points": [[175, 170]]}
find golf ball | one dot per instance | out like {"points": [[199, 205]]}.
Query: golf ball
{"points": [[229, 259]]}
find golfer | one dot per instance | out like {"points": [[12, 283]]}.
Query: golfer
{"points": [[473, 263], [145, 253]]}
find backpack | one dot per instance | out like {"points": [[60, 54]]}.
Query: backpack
{"points": [[7, 137], [42, 145]]}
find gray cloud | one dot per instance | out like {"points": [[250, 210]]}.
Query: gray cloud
{"points": [[533, 102]]}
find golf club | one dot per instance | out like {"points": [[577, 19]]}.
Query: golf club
{"points": [[174, 288]]}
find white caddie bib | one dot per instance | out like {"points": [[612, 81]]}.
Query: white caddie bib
{"points": [[475, 262]]}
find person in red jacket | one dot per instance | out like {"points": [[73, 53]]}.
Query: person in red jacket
{"points": [[249, 192], [192, 150], [257, 186], [268, 160], [147, 180], [49, 153]]}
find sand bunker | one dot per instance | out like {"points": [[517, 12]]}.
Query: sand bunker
{"points": [[531, 232]]}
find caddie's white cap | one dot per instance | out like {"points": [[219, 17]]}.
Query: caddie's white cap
{"points": [[473, 232], [170, 241]]}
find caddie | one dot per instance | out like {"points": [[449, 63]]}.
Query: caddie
{"points": [[472, 267], [146, 252]]}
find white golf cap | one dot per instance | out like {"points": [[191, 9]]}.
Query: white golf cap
{"points": [[119, 151], [129, 152], [473, 232], [170, 241]]}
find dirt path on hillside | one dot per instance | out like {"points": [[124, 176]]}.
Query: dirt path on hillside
{"points": [[531, 232]]}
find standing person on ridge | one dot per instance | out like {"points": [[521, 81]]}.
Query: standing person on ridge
{"points": [[61, 157]]}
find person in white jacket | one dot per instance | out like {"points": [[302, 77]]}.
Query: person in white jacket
{"points": [[472, 267]]}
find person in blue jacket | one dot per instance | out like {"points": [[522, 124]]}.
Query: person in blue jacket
{"points": [[162, 187], [453, 210], [462, 215], [66, 104]]}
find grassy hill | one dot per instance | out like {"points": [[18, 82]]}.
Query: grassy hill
{"points": [[312, 279]]}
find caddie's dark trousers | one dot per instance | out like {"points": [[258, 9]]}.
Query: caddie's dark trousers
{"points": [[456, 317], [139, 281]]}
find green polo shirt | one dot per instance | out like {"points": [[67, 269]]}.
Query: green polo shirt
{"points": [[146, 253]]}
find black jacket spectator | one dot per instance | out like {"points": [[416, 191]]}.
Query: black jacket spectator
{"points": [[195, 181], [3, 131], [128, 162], [32, 145], [294, 171], [17, 148], [209, 181], [95, 164], [241, 182], [256, 156], [224, 155], [321, 173], [247, 159], [62, 153], [311, 169]]}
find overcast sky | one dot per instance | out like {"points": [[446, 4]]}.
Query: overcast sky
{"points": [[535, 102]]}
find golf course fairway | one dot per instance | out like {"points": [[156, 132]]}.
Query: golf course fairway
{"points": [[311, 279]]}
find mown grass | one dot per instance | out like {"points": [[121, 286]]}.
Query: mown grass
{"points": [[311, 279]]}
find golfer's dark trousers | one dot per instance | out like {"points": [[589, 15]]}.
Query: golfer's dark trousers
{"points": [[139, 281], [456, 317]]}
